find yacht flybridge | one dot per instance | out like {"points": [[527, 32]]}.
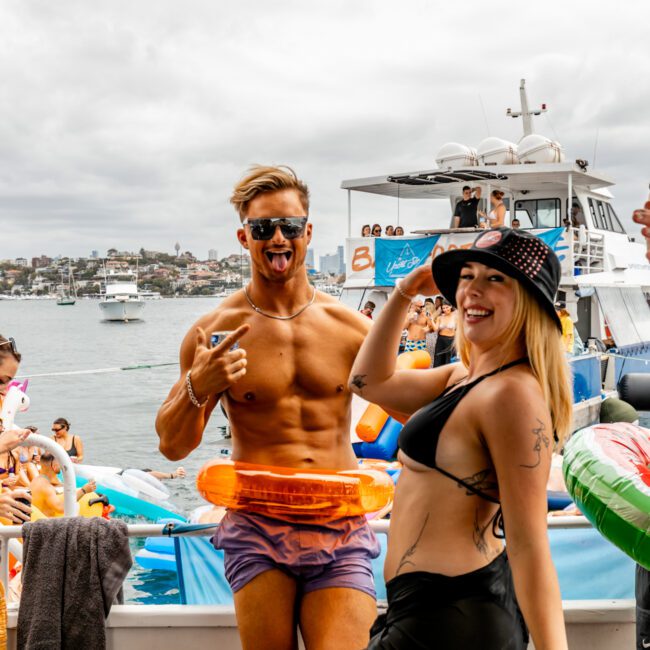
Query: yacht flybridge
{"points": [[605, 276]]}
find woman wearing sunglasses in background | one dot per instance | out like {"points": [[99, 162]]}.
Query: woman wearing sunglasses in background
{"points": [[71, 443], [10, 509]]}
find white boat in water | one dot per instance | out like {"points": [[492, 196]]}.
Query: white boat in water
{"points": [[121, 300]]}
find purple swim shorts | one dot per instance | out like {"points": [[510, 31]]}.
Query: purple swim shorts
{"points": [[318, 556]]}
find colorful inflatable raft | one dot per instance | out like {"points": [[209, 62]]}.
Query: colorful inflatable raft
{"points": [[300, 494], [606, 469]]}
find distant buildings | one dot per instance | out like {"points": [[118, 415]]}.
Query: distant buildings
{"points": [[309, 259], [21, 261], [213, 255], [333, 264], [41, 262]]}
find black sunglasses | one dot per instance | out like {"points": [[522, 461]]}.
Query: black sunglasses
{"points": [[264, 229], [10, 341]]}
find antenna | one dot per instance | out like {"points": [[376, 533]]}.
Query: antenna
{"points": [[487, 126], [596, 146], [525, 113]]}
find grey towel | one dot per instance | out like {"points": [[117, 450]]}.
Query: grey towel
{"points": [[73, 569]]}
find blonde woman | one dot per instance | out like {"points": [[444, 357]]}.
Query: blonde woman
{"points": [[497, 216], [476, 452]]}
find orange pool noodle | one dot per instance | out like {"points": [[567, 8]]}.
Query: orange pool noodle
{"points": [[374, 417], [313, 495]]}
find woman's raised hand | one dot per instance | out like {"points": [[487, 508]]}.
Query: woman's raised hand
{"points": [[420, 281]]}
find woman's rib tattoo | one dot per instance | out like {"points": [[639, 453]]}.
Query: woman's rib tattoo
{"points": [[411, 549], [540, 439], [481, 481], [478, 535]]}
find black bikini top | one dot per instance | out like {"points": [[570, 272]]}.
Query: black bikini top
{"points": [[420, 435]]}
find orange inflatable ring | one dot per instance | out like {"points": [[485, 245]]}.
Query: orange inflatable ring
{"points": [[314, 495], [374, 417]]}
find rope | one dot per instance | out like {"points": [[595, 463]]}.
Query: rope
{"points": [[97, 371]]}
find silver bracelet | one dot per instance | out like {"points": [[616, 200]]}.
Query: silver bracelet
{"points": [[398, 286], [190, 392]]}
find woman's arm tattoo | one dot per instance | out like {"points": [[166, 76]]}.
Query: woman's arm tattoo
{"points": [[411, 549], [358, 381], [540, 439]]}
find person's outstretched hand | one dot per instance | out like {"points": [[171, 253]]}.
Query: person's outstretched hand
{"points": [[214, 370], [179, 473], [643, 217], [13, 510], [12, 438]]}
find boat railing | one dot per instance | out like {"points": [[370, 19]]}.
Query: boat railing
{"points": [[588, 250], [380, 526]]}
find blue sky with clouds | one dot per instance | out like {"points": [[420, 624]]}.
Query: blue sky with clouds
{"points": [[126, 124]]}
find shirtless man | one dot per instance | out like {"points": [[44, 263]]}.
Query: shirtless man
{"points": [[417, 324], [285, 392], [47, 490]]}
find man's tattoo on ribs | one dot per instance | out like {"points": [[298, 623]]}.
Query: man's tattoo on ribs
{"points": [[358, 381], [540, 439], [411, 549]]}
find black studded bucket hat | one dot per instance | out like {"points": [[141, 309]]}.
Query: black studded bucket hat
{"points": [[516, 253]]}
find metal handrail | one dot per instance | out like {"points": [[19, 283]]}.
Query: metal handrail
{"points": [[69, 500]]}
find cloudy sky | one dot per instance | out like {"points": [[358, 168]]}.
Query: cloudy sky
{"points": [[125, 124]]}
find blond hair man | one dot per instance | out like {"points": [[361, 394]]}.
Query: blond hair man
{"points": [[286, 396]]}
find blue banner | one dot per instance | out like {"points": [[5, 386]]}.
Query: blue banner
{"points": [[395, 258], [551, 237]]}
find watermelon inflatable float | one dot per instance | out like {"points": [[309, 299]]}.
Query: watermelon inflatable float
{"points": [[606, 469]]}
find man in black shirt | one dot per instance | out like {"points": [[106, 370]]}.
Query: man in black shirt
{"points": [[466, 208]]}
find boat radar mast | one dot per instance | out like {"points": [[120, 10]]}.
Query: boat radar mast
{"points": [[525, 113]]}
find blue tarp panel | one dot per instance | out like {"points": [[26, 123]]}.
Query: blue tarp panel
{"points": [[201, 578], [588, 567]]}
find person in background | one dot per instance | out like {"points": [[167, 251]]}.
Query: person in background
{"points": [[365, 230], [179, 472], [567, 326], [465, 215], [399, 231], [390, 231], [433, 309], [47, 490], [642, 217], [497, 216], [445, 326], [376, 230], [11, 510], [30, 458], [577, 216], [71, 443], [416, 324], [368, 308], [472, 469], [515, 224]]}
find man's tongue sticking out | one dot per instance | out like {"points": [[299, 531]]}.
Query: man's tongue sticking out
{"points": [[279, 262]]}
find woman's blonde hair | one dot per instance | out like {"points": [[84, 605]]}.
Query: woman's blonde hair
{"points": [[262, 179], [546, 355]]}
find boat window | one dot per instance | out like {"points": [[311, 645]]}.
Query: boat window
{"points": [[616, 224], [603, 216], [595, 217], [538, 213]]}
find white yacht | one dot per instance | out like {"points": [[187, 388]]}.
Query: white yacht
{"points": [[121, 300]]}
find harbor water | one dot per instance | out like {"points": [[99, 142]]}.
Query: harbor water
{"points": [[113, 412]]}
